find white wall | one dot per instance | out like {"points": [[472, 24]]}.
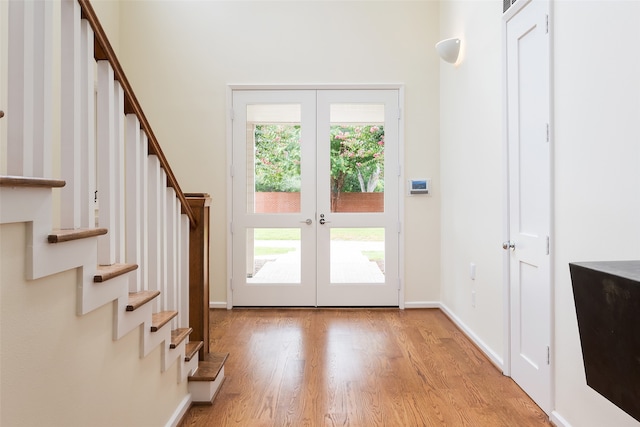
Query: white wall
{"points": [[180, 57], [596, 148], [108, 12], [597, 172], [472, 168], [60, 369]]}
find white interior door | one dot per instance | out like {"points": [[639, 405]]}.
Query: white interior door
{"points": [[529, 200], [315, 198]]}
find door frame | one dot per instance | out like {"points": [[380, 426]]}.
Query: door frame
{"points": [[516, 8], [229, 147]]}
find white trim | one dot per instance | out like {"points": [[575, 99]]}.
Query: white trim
{"points": [[401, 198], [514, 9], [180, 411], [422, 304], [321, 86], [493, 356], [505, 195], [219, 304], [552, 234], [229, 137], [558, 420]]}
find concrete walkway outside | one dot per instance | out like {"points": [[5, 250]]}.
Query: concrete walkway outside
{"points": [[348, 264]]}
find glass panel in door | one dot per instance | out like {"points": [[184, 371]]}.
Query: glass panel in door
{"points": [[357, 255]]}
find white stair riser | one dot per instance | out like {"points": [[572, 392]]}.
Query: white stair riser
{"points": [[204, 391]]}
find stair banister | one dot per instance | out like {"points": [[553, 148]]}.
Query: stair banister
{"points": [[104, 51]]}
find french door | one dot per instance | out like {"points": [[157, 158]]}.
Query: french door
{"points": [[315, 217]]}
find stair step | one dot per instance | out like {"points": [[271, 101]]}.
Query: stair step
{"points": [[59, 236], [158, 320], [209, 368], [138, 299], [192, 350], [25, 181], [179, 335], [106, 272]]}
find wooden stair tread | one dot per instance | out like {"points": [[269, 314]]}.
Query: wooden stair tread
{"points": [[192, 349], [106, 272], [209, 368], [179, 335], [25, 181], [138, 299], [158, 320], [59, 236]]}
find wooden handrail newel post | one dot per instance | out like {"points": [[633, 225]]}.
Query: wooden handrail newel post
{"points": [[199, 269]]}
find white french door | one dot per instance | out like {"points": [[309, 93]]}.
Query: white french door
{"points": [[315, 198]]}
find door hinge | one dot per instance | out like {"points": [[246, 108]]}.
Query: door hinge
{"points": [[399, 113], [231, 284], [548, 355], [548, 245], [399, 170], [548, 133], [547, 24], [231, 227], [232, 114], [231, 171], [399, 227], [399, 283]]}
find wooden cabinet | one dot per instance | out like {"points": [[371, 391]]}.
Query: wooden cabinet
{"points": [[199, 270]]}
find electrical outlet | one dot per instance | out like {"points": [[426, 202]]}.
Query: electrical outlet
{"points": [[473, 299]]}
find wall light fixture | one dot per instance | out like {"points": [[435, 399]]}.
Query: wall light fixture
{"points": [[449, 49]]}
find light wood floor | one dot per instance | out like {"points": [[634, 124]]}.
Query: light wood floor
{"points": [[356, 367]]}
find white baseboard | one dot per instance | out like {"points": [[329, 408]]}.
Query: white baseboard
{"points": [[493, 357], [557, 420], [182, 409], [421, 304], [217, 304]]}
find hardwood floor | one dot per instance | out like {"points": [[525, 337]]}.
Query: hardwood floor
{"points": [[356, 367]]}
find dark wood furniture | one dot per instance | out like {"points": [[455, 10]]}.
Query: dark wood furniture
{"points": [[607, 299]]}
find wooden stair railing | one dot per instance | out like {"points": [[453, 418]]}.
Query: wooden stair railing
{"points": [[104, 51], [199, 270], [24, 181]]}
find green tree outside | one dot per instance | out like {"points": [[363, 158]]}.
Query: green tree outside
{"points": [[357, 158], [277, 158]]}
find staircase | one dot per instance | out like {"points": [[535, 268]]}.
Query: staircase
{"points": [[116, 215]]}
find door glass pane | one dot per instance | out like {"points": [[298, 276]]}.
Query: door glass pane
{"points": [[273, 158], [357, 255], [273, 255], [357, 157]]}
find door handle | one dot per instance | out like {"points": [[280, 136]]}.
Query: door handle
{"points": [[509, 245], [308, 221]]}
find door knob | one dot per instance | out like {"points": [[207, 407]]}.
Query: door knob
{"points": [[509, 245], [308, 221]]}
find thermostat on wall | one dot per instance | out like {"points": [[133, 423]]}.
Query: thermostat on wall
{"points": [[419, 186]]}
